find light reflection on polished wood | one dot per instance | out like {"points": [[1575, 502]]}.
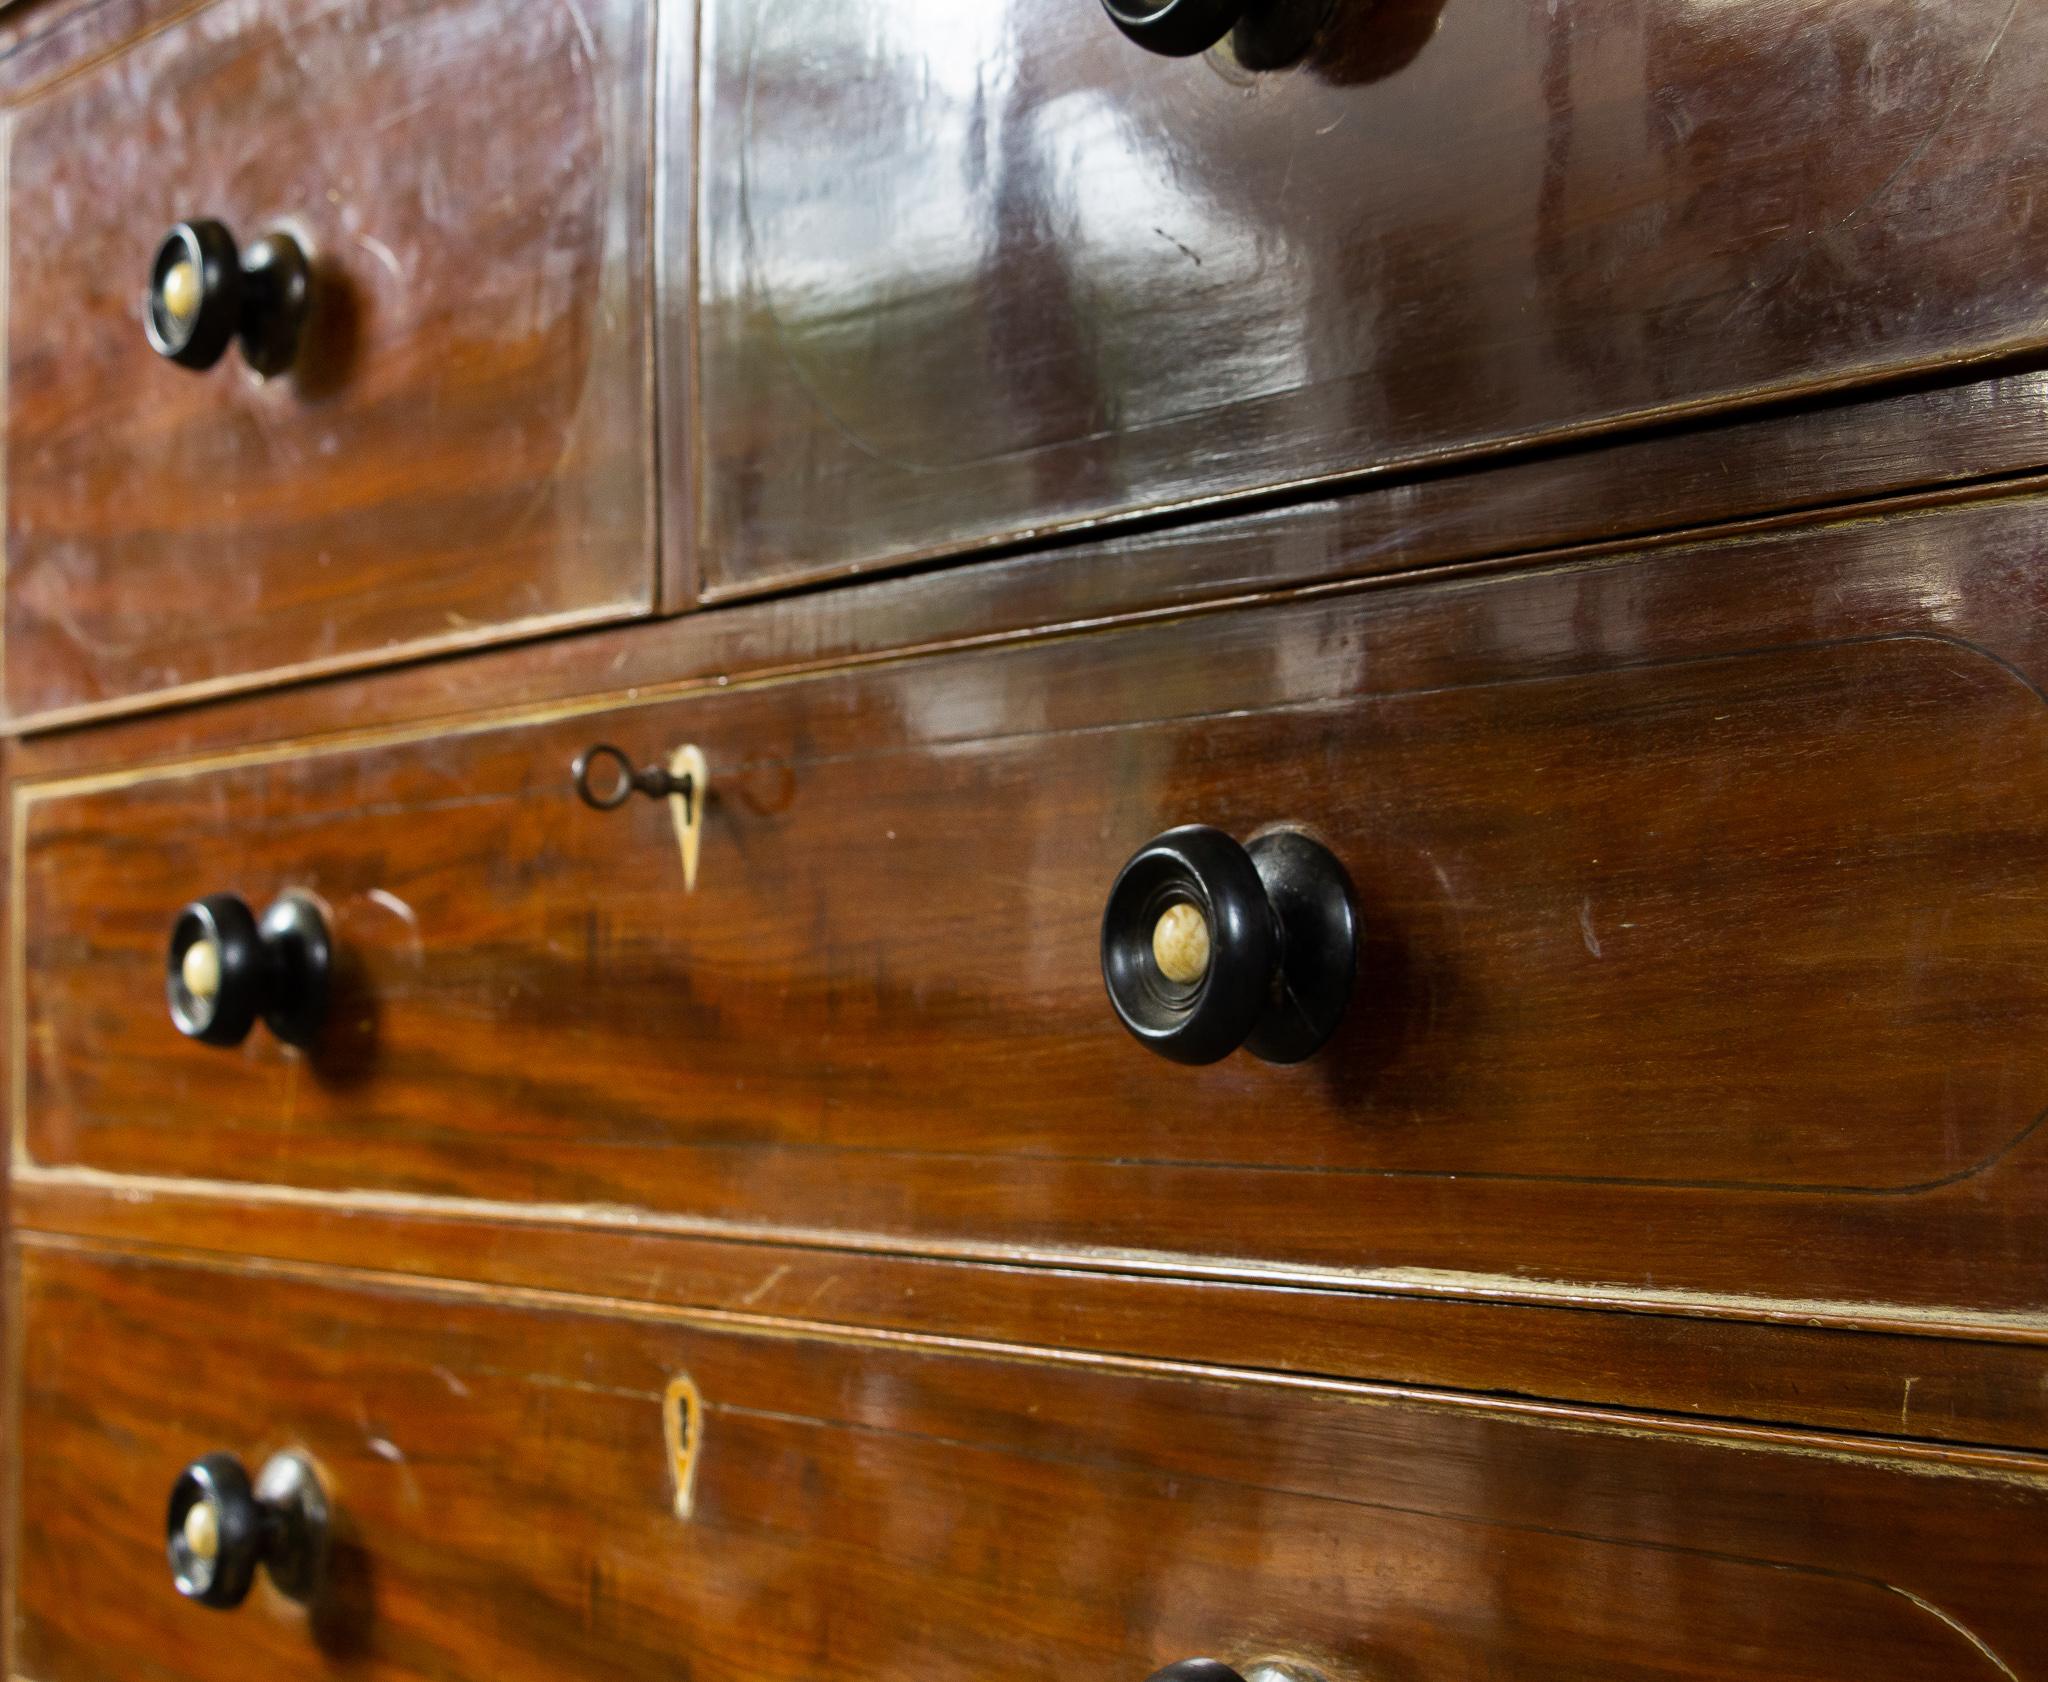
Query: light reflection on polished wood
{"points": [[1683, 918], [462, 448], [1052, 278], [869, 1509], [1958, 442], [804, 1276], [1960, 1378]]}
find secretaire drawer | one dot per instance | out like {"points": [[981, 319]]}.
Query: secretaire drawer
{"points": [[529, 1490], [453, 441], [1051, 276], [1701, 946]]}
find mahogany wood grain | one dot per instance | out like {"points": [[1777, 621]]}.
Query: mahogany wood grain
{"points": [[1914, 1378], [1050, 279], [1972, 439], [867, 1508], [462, 448], [1703, 950]]}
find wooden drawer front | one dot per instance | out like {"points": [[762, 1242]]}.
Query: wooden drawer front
{"points": [[1705, 948], [1050, 277], [507, 1508], [460, 450]]}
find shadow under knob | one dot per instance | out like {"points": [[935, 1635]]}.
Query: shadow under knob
{"points": [[1209, 945], [204, 293], [219, 1528], [224, 969]]}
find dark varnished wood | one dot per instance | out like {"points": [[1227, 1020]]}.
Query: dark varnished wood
{"points": [[867, 1509], [1971, 439], [1702, 943], [1846, 1371], [462, 448], [1696, 1064], [1050, 279]]}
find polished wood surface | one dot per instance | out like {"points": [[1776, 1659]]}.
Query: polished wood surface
{"points": [[1914, 448], [1586, 462], [1909, 1375], [462, 450], [862, 1507], [42, 40], [1702, 942], [1049, 278]]}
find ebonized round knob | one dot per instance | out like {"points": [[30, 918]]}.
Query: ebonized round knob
{"points": [[220, 1527], [1214, 1670], [224, 969], [1208, 945], [1196, 1670], [1176, 28], [204, 292]]}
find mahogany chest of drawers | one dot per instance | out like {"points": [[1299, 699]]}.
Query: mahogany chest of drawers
{"points": [[1072, 838]]}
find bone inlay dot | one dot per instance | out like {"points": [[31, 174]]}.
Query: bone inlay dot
{"points": [[181, 289], [200, 969], [1180, 944], [202, 1530]]}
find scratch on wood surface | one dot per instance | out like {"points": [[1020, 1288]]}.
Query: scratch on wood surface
{"points": [[1954, 1623], [396, 906], [761, 1290]]}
